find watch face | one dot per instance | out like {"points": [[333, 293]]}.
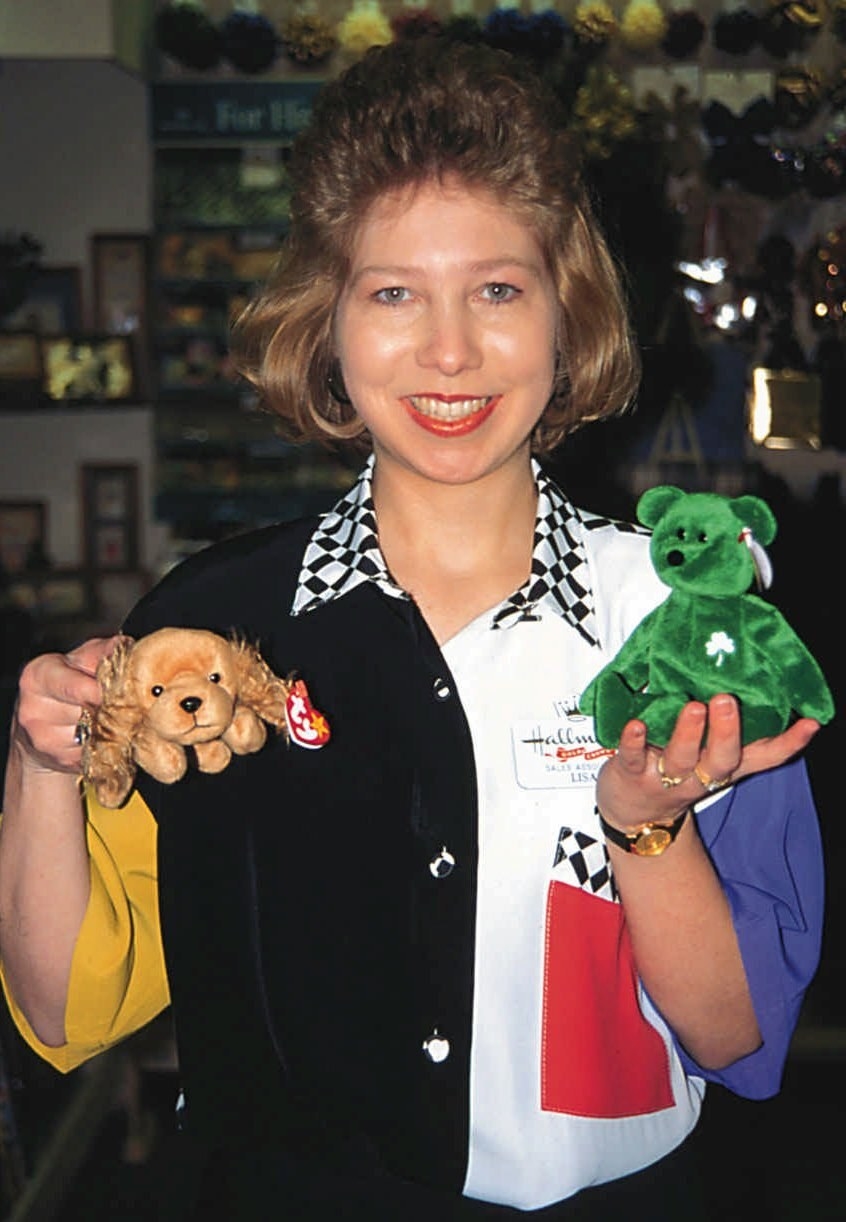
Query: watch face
{"points": [[652, 841]]}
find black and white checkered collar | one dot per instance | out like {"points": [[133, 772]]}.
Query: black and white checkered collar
{"points": [[344, 552]]}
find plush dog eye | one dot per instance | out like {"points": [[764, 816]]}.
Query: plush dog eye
{"points": [[703, 538], [214, 677], [157, 690], [681, 533]]}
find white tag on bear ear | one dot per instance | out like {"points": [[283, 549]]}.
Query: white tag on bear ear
{"points": [[760, 559]]}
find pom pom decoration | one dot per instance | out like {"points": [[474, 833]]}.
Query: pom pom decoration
{"points": [[736, 33], [798, 96], [594, 24], [308, 38], [364, 26], [643, 25], [182, 31], [507, 30], [604, 114], [463, 27], [838, 20], [250, 42], [685, 33], [415, 23], [786, 27], [538, 36]]}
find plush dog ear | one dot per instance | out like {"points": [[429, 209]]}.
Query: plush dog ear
{"points": [[107, 762], [258, 687]]}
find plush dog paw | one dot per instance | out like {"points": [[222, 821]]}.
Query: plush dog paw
{"points": [[213, 756]]}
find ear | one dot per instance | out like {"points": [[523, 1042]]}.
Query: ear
{"points": [[655, 502], [118, 716], [757, 515], [258, 687]]}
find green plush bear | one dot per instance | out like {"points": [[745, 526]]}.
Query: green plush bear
{"points": [[710, 635]]}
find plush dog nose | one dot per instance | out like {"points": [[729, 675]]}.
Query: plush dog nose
{"points": [[190, 704], [675, 558]]}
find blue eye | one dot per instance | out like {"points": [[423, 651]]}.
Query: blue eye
{"points": [[393, 295], [498, 291]]}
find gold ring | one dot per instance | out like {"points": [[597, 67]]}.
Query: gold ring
{"points": [[710, 784], [669, 782]]}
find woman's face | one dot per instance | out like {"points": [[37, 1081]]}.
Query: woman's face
{"points": [[445, 332]]}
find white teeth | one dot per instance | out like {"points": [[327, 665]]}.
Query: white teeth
{"points": [[439, 410]]}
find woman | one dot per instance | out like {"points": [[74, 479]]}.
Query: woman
{"points": [[415, 972]]}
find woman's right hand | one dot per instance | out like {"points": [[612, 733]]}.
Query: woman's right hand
{"points": [[53, 692]]}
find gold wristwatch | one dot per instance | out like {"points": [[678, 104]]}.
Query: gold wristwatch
{"points": [[648, 840]]}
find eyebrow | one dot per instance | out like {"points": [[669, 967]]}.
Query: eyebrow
{"points": [[400, 272]]}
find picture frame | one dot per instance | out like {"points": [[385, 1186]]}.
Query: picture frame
{"points": [[55, 594], [23, 531], [89, 368], [120, 267], [21, 363], [110, 518], [53, 305]]}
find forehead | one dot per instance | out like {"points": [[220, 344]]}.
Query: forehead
{"points": [[437, 211]]}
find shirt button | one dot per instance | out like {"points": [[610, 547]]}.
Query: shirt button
{"points": [[436, 1047], [442, 864], [441, 689]]}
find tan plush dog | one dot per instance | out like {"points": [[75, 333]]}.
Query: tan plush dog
{"points": [[178, 688]]}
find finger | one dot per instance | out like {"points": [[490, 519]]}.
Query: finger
{"points": [[50, 678], [685, 742], [631, 749], [772, 752], [89, 654]]}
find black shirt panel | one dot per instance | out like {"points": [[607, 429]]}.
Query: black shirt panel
{"points": [[312, 947]]}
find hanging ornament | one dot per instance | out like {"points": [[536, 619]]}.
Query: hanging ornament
{"points": [[415, 22], [786, 28], [594, 25], [737, 32], [308, 38], [364, 26], [838, 20], [643, 25], [250, 43], [463, 27], [685, 33], [798, 96], [182, 31], [506, 29], [604, 114]]}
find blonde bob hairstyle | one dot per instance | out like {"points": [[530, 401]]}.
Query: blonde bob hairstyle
{"points": [[408, 113]]}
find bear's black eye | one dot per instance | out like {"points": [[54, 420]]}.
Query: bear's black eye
{"points": [[157, 690], [214, 677], [681, 533], [703, 538]]}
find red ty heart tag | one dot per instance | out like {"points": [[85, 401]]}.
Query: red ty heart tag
{"points": [[306, 726]]}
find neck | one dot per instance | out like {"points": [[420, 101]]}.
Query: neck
{"points": [[458, 549]]}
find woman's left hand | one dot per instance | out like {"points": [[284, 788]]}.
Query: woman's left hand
{"points": [[642, 784]]}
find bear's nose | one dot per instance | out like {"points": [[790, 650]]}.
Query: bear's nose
{"points": [[675, 557], [190, 704]]}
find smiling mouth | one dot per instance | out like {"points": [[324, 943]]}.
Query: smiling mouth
{"points": [[448, 409]]}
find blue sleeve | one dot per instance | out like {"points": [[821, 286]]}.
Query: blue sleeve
{"points": [[764, 840]]}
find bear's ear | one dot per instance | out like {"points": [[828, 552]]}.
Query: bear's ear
{"points": [[757, 515], [655, 502]]}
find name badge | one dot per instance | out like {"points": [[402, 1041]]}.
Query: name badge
{"points": [[559, 753]]}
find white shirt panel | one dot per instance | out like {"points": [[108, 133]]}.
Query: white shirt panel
{"points": [[531, 674]]}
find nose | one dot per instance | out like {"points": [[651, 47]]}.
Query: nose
{"points": [[190, 704], [451, 341]]}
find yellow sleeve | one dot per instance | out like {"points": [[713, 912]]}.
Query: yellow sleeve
{"points": [[118, 981]]}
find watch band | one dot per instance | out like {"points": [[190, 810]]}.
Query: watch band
{"points": [[649, 840]]}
